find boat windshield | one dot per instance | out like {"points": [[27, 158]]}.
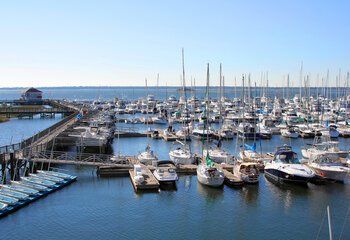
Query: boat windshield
{"points": [[287, 157]]}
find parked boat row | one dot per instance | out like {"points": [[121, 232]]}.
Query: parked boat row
{"points": [[20, 193]]}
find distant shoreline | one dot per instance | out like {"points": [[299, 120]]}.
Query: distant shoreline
{"points": [[153, 87]]}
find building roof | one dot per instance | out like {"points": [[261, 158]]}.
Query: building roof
{"points": [[32, 90]]}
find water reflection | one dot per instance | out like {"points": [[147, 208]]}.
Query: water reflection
{"points": [[250, 194], [286, 193], [186, 181], [211, 194]]}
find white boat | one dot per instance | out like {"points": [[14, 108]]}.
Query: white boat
{"points": [[202, 132], [285, 167], [219, 155], [147, 157], [159, 120], [290, 132], [326, 167], [319, 147], [331, 131], [248, 172], [182, 155], [246, 130], [209, 175], [165, 172], [89, 138]]}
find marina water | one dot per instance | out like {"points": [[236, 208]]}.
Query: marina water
{"points": [[108, 208]]}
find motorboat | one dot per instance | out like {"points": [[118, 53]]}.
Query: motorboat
{"points": [[165, 172], [209, 175], [202, 132], [246, 130], [248, 172], [290, 132], [325, 167], [331, 131], [319, 147], [285, 167], [148, 156], [248, 153]]}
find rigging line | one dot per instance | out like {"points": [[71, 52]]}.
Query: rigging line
{"points": [[346, 217], [319, 230]]}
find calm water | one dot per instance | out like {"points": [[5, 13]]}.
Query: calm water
{"points": [[109, 93], [108, 208]]}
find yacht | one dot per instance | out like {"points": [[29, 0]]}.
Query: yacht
{"points": [[209, 175], [247, 130], [285, 167], [326, 167], [319, 147], [147, 157], [331, 131], [290, 132], [165, 172], [201, 132]]}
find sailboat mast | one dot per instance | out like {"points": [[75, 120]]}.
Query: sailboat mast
{"points": [[329, 224], [184, 91], [220, 91], [207, 107], [301, 79]]}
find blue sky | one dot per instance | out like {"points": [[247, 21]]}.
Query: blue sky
{"points": [[120, 43]]}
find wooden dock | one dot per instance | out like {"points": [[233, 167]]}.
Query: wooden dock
{"points": [[231, 179], [150, 183], [169, 137]]}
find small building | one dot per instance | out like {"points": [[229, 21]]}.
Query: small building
{"points": [[32, 95]]}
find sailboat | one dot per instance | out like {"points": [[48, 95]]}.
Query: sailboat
{"points": [[207, 173], [147, 157], [183, 154], [216, 153]]}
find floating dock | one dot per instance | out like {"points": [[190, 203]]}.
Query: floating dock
{"points": [[149, 183]]}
